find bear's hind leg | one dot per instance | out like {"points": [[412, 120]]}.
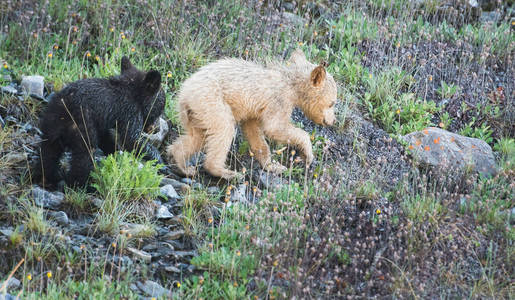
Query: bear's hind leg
{"points": [[184, 147], [83, 143], [218, 143], [47, 168]]}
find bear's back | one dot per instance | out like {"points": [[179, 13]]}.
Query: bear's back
{"points": [[247, 87]]}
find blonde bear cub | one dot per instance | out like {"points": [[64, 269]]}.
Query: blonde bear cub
{"points": [[228, 92]]}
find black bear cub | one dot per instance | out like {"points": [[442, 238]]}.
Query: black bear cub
{"points": [[84, 115]]}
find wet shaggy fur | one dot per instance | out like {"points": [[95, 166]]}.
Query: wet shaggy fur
{"points": [[84, 114], [234, 91]]}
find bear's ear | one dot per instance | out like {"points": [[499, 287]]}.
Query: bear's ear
{"points": [[126, 64], [298, 57], [152, 82], [318, 75]]}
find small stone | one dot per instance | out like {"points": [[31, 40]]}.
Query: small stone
{"points": [[15, 157], [176, 184], [172, 269], [47, 199], [12, 283], [294, 19], [9, 90], [213, 190], [33, 85], [184, 254], [169, 192], [150, 247], [269, 180], [174, 235], [7, 232], [176, 220], [152, 288], [60, 217], [158, 137], [186, 267], [175, 244], [188, 180], [8, 296], [163, 213], [165, 249], [97, 202], [289, 6], [134, 287], [144, 256], [238, 194]]}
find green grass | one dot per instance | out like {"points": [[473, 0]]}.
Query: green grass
{"points": [[94, 289], [399, 112], [232, 251], [122, 181]]}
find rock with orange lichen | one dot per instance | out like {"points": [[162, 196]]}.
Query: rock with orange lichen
{"points": [[435, 147]]}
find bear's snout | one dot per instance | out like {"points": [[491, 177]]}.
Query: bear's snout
{"points": [[329, 118]]}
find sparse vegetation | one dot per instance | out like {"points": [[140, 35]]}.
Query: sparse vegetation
{"points": [[122, 181], [362, 222]]}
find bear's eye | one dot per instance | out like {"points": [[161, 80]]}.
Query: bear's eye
{"points": [[332, 104]]}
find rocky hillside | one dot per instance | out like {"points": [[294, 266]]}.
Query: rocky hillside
{"points": [[411, 194]]}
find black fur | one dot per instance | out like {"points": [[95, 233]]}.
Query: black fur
{"points": [[82, 116]]}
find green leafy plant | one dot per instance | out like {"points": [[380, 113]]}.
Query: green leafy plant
{"points": [[483, 132], [403, 114], [506, 147], [445, 120], [447, 91], [122, 175], [122, 180], [348, 68]]}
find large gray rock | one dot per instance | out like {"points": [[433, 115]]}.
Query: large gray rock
{"points": [[435, 147], [33, 85], [46, 199]]}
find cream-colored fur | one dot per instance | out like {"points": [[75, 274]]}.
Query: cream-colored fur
{"points": [[232, 91]]}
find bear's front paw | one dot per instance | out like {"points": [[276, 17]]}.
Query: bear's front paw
{"points": [[275, 167]]}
